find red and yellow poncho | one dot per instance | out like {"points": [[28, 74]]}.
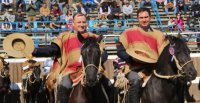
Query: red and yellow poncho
{"points": [[143, 46]]}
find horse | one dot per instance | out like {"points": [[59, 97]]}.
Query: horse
{"points": [[90, 90], [32, 82], [173, 70], [4, 81]]}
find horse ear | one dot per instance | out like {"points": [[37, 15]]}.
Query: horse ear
{"points": [[99, 38], [171, 39], [80, 37]]}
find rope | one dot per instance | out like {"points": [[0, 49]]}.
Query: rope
{"points": [[173, 76], [122, 83]]}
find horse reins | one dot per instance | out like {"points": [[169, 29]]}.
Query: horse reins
{"points": [[180, 70]]}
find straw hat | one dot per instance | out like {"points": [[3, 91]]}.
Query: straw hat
{"points": [[141, 55], [18, 45], [3, 55]]}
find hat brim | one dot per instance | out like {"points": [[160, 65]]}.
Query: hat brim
{"points": [[18, 45], [139, 55]]}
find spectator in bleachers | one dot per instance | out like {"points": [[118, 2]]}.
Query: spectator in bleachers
{"points": [[182, 6], [89, 5], [196, 9], [115, 11], [21, 6], [191, 23], [56, 11], [103, 25], [65, 8], [171, 24], [6, 4], [19, 18], [170, 4], [45, 12], [127, 9], [6, 25], [54, 24], [69, 19], [179, 22], [31, 12], [8, 14], [104, 10], [97, 3], [52, 3], [81, 8], [38, 4]]}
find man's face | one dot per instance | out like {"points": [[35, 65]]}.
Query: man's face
{"points": [[79, 24], [144, 19]]}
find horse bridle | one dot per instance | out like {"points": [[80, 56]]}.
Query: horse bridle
{"points": [[34, 77], [180, 68], [3, 74]]}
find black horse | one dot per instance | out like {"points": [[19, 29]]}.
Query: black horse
{"points": [[173, 70], [31, 85], [92, 90], [4, 81]]}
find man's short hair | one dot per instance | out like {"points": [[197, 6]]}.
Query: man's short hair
{"points": [[78, 14], [142, 10]]}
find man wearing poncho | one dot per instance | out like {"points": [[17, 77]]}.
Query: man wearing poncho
{"points": [[66, 49], [140, 47]]}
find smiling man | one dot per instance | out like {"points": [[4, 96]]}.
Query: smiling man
{"points": [[140, 48]]}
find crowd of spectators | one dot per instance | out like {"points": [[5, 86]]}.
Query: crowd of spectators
{"points": [[39, 10]]}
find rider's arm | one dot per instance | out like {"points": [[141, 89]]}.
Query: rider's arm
{"points": [[121, 53], [52, 50]]}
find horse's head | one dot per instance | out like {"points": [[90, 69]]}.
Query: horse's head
{"points": [[177, 57], [35, 66], [91, 54], [4, 70]]}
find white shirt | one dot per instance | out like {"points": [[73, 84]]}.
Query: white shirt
{"points": [[127, 9], [10, 1]]}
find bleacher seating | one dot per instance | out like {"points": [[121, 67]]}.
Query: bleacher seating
{"points": [[112, 31]]}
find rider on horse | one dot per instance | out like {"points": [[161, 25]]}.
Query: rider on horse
{"points": [[66, 50], [140, 47]]}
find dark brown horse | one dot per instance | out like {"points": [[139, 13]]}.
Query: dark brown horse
{"points": [[173, 70], [32, 83], [4, 81], [92, 90]]}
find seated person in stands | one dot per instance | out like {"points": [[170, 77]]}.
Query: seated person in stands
{"points": [[115, 11], [19, 18], [8, 14], [6, 25], [20, 4], [6, 4], [127, 9], [89, 4], [45, 12], [31, 13], [56, 11], [179, 22], [191, 23], [54, 24], [38, 4], [195, 10], [81, 8], [171, 24], [104, 10]]}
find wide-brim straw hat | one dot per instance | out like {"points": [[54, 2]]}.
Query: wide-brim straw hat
{"points": [[18, 45], [141, 55]]}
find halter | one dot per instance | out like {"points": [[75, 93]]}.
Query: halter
{"points": [[4, 74], [180, 68]]}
